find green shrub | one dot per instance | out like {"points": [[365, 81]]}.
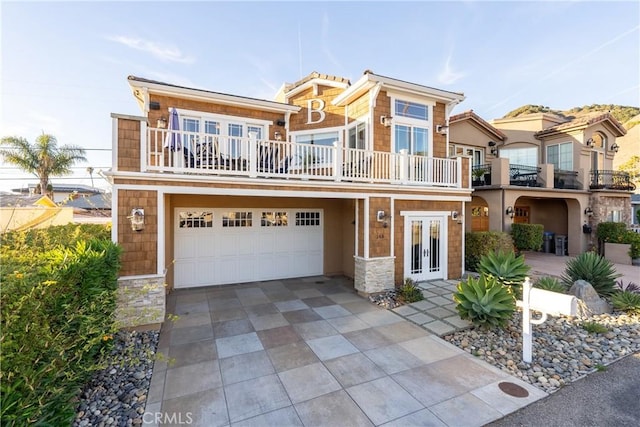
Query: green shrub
{"points": [[479, 243], [594, 328], [527, 237], [484, 301], [409, 292], [551, 284], [593, 268], [57, 309], [626, 301], [617, 232]]}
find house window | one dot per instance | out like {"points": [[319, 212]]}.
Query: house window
{"points": [[307, 218], [358, 136], [477, 155], [274, 219], [237, 219], [197, 219], [614, 215], [560, 156], [411, 138], [412, 110], [318, 138], [520, 156], [597, 151]]}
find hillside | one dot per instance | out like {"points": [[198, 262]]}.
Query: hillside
{"points": [[624, 114]]}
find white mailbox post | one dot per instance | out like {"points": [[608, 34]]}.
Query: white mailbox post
{"points": [[546, 302]]}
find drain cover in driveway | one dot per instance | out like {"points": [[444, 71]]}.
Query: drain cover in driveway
{"points": [[513, 389]]}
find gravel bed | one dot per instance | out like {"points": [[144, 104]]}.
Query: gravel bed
{"points": [[116, 395], [563, 351]]}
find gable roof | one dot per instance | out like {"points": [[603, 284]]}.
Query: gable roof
{"points": [[369, 80], [584, 122], [324, 78], [471, 116], [19, 200], [141, 86]]}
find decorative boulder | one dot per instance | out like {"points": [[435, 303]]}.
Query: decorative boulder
{"points": [[589, 301]]}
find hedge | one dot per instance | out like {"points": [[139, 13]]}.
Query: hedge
{"points": [[58, 301], [480, 243], [527, 237]]}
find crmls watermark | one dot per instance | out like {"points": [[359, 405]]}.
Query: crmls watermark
{"points": [[161, 418]]}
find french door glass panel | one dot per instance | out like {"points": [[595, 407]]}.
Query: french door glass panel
{"points": [[425, 248]]}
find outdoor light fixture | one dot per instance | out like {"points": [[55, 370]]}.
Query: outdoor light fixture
{"points": [[510, 212], [380, 216], [442, 129], [615, 147], [588, 211], [277, 135], [590, 142], [494, 151], [137, 219], [454, 215], [162, 123], [280, 122], [386, 120]]}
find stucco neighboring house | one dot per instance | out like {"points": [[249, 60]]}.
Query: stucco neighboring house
{"points": [[545, 169], [330, 178], [20, 212]]}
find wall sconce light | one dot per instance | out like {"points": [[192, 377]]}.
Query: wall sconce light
{"points": [[615, 147], [590, 142], [162, 123], [442, 129], [154, 105], [386, 120], [137, 219], [455, 215], [280, 122], [277, 135], [588, 211], [510, 212], [494, 151], [380, 216]]}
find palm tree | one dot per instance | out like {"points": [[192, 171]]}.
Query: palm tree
{"points": [[43, 159]]}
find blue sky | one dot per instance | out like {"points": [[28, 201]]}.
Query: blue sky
{"points": [[65, 64]]}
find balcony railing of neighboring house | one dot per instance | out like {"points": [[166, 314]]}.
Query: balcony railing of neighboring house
{"points": [[611, 180], [209, 154], [481, 175], [523, 175], [566, 180]]}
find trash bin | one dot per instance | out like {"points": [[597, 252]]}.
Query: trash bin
{"points": [[548, 241], [561, 245]]}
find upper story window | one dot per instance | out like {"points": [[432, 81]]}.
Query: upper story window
{"points": [[560, 156], [476, 154], [597, 151], [411, 127], [412, 110], [317, 137], [527, 156], [357, 135]]}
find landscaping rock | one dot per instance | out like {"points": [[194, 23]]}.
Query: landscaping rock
{"points": [[590, 302]]}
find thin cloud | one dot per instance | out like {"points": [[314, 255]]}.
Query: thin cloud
{"points": [[325, 42], [162, 52], [448, 75]]}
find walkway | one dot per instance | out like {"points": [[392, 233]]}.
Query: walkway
{"points": [[311, 352]]}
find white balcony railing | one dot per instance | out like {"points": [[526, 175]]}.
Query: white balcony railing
{"points": [[200, 153]]}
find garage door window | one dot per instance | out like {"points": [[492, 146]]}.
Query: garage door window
{"points": [[274, 219], [307, 218], [200, 219], [237, 219]]}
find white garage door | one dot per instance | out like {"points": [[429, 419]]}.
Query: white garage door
{"points": [[222, 246]]}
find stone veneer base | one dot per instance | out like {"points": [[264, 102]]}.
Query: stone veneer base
{"points": [[374, 274], [141, 301]]}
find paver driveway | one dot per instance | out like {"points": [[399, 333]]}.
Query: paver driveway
{"points": [[311, 352]]}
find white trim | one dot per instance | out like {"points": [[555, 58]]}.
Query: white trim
{"points": [[366, 228], [160, 224], [321, 185], [425, 213], [338, 129], [393, 226], [114, 211], [463, 225], [314, 82], [223, 117], [141, 276], [355, 254], [281, 193], [114, 143], [143, 145]]}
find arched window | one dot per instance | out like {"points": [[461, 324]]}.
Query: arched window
{"points": [[598, 148]]}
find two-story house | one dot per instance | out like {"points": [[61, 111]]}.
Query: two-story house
{"points": [[544, 169], [329, 178]]}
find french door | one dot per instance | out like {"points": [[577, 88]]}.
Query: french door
{"points": [[425, 247]]}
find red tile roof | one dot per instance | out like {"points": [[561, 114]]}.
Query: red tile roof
{"points": [[583, 122]]}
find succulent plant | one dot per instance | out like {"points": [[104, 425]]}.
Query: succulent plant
{"points": [[409, 292], [591, 267], [484, 301], [626, 301], [506, 267], [551, 284]]}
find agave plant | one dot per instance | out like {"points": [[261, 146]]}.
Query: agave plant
{"points": [[551, 284], [591, 267], [506, 267], [484, 301], [626, 301]]}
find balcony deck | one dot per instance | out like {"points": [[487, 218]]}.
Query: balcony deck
{"points": [[207, 154]]}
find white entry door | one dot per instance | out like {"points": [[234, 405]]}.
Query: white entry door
{"points": [[235, 245], [425, 247]]}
